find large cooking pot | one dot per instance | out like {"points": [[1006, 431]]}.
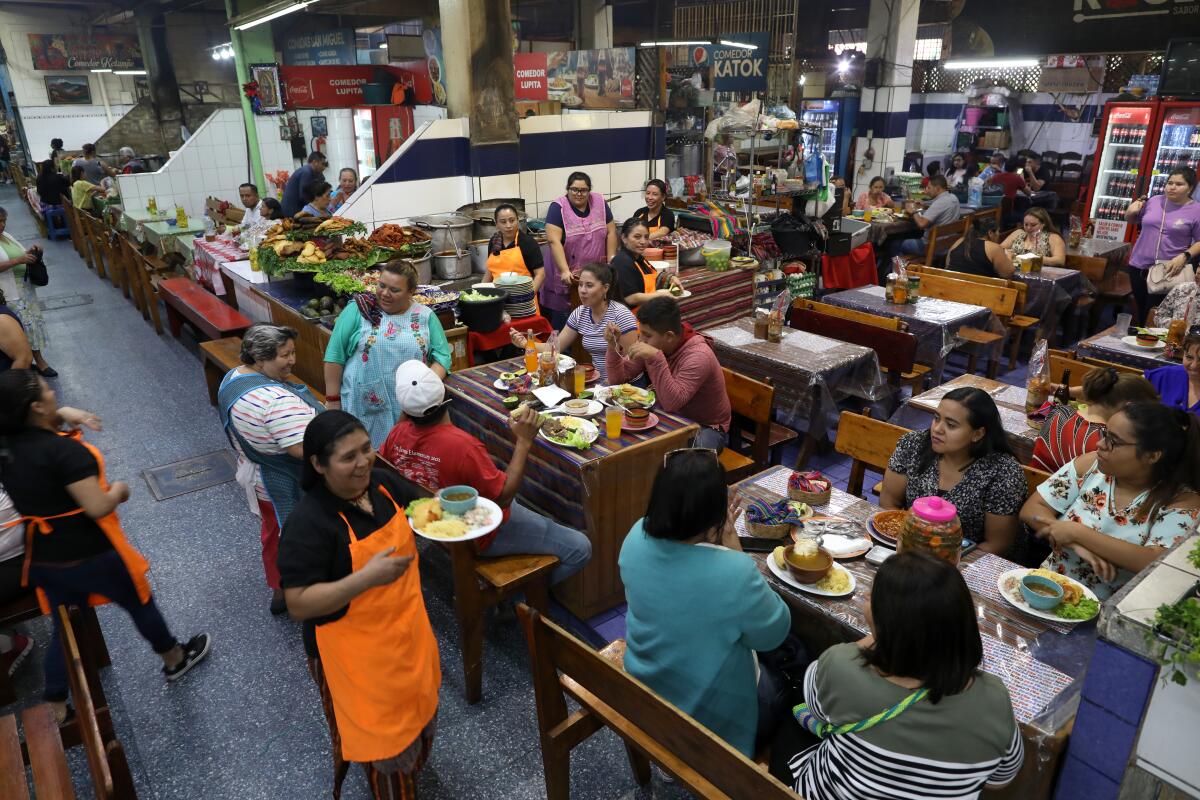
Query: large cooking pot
{"points": [[674, 166], [449, 231], [424, 268], [452, 265], [693, 159], [483, 213], [479, 255]]}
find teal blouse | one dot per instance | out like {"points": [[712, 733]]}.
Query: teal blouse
{"points": [[348, 328]]}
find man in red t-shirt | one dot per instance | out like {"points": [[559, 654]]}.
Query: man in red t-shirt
{"points": [[429, 450], [1010, 180]]}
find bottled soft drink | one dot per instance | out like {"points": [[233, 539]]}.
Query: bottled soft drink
{"points": [[1116, 134]]}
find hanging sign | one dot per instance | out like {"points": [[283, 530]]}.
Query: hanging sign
{"points": [[738, 69], [325, 48], [341, 87], [62, 51], [529, 76]]}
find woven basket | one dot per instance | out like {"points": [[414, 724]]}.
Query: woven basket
{"points": [[812, 498], [768, 531]]}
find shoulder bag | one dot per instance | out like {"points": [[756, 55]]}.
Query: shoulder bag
{"points": [[1158, 277], [36, 272]]}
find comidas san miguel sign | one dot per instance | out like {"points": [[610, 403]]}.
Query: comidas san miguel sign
{"points": [[68, 51], [740, 69], [331, 47]]}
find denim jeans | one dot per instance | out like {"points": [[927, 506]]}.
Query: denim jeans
{"points": [[913, 247], [712, 438], [105, 575], [529, 532]]}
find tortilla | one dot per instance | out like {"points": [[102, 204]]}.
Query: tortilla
{"points": [[445, 528]]}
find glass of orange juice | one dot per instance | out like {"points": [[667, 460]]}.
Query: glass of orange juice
{"points": [[580, 380], [612, 421]]}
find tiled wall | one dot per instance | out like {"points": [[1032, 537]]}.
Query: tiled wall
{"points": [[211, 163], [432, 172]]}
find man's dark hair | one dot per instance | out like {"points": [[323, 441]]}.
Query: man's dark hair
{"points": [[248, 186], [661, 314], [939, 181], [315, 156]]}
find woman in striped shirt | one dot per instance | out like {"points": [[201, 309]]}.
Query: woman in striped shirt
{"points": [[906, 713], [593, 316], [1068, 433]]}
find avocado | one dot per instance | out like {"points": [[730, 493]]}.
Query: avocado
{"points": [[326, 303], [507, 376]]}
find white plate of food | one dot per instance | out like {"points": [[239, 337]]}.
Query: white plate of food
{"points": [[626, 396], [427, 519], [841, 538], [571, 99], [834, 577], [1132, 341], [568, 431], [1077, 598], [581, 408], [682, 295]]}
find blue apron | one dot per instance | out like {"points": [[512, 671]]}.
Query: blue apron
{"points": [[281, 472], [369, 379]]}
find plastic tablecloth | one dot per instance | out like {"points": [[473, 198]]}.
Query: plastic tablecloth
{"points": [[1108, 346]]}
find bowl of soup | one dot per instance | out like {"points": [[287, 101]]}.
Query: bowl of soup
{"points": [[458, 499], [810, 567], [1041, 592]]}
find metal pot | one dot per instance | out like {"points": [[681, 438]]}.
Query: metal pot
{"points": [[674, 166], [484, 214], [479, 255], [424, 268], [451, 265], [449, 231], [693, 159]]}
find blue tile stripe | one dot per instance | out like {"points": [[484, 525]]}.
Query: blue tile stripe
{"points": [[429, 159], [882, 124], [1034, 112]]}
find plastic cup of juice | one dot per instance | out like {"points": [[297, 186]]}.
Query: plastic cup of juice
{"points": [[612, 421], [580, 380]]}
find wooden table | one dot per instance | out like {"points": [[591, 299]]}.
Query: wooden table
{"points": [[934, 322], [1107, 345], [1010, 402], [132, 217], [601, 491], [1041, 663], [810, 373]]}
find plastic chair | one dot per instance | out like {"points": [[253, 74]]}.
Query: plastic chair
{"points": [[56, 222]]}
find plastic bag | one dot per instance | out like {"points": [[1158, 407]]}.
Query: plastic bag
{"points": [[1037, 386]]}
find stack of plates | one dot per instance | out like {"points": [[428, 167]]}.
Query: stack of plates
{"points": [[520, 296]]}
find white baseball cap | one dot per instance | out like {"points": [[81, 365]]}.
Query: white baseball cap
{"points": [[418, 388]]}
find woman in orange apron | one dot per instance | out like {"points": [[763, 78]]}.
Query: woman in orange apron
{"points": [[660, 220], [75, 550], [637, 281], [348, 566], [513, 250]]}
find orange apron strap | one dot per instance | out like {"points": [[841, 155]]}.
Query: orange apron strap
{"points": [[649, 279]]}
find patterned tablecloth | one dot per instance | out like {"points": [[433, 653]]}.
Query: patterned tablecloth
{"points": [[208, 257], [1108, 346], [1010, 402], [717, 297], [809, 372], [1050, 293], [1041, 663], [934, 322]]}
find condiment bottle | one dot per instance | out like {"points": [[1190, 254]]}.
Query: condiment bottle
{"points": [[1063, 393], [914, 289], [760, 324], [775, 327], [932, 525], [181, 218]]}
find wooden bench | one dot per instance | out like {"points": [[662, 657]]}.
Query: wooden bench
{"points": [[188, 301], [483, 582], [1000, 300], [754, 438], [24, 608], [1034, 477], [868, 442], [941, 239], [221, 355], [653, 730], [894, 349], [913, 376]]}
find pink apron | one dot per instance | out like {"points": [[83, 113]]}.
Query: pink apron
{"points": [[584, 242]]}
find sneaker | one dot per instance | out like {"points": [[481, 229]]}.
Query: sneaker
{"points": [[22, 647], [193, 653]]}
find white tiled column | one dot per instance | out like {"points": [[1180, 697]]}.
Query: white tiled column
{"points": [[883, 113]]}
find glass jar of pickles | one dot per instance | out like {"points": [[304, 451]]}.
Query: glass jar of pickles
{"points": [[932, 525]]}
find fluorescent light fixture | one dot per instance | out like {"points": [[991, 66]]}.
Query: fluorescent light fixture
{"points": [[129, 72], [102, 70], [741, 45], [221, 45], [276, 14], [673, 42], [991, 63]]}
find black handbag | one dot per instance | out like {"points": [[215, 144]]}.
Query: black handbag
{"points": [[36, 272]]}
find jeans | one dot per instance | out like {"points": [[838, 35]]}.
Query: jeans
{"points": [[1141, 295], [70, 585], [712, 438], [913, 247], [529, 532]]}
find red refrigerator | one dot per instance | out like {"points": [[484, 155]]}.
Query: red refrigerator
{"points": [[378, 132], [1176, 143], [1123, 155]]}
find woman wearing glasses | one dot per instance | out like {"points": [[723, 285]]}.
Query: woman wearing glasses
{"points": [[698, 606], [1109, 514], [372, 337], [580, 230], [1179, 384]]}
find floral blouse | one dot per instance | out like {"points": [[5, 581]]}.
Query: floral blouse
{"points": [[993, 484], [1085, 499], [1038, 243]]}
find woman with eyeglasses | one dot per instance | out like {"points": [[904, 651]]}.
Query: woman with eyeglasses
{"points": [[1109, 514], [580, 230], [1039, 235], [372, 337], [1179, 384], [698, 606], [965, 458]]}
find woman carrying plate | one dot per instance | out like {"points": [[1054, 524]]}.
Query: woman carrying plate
{"points": [[947, 729], [589, 321], [348, 565], [964, 457], [1179, 384], [698, 606], [637, 280], [1110, 513], [513, 250]]}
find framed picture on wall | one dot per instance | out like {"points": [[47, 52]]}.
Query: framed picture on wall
{"points": [[68, 90], [270, 91], [320, 126]]}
